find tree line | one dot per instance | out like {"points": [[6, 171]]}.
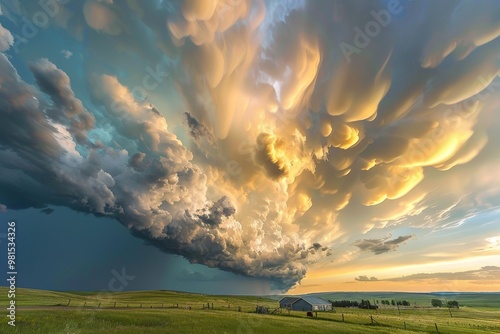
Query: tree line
{"points": [[395, 302], [449, 304], [366, 304]]}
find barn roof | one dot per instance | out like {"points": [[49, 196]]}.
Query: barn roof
{"points": [[314, 301], [290, 300]]}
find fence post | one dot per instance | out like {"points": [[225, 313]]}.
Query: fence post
{"points": [[141, 305], [404, 323], [114, 305], [99, 304], [342, 317], [84, 304], [437, 330], [371, 318], [69, 301]]}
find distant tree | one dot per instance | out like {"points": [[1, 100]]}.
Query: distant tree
{"points": [[437, 303], [365, 304], [344, 303], [393, 303], [453, 304], [405, 303]]}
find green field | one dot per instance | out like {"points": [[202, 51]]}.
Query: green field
{"points": [[472, 299], [44, 312]]}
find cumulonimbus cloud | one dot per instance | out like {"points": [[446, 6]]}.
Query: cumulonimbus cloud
{"points": [[289, 147]]}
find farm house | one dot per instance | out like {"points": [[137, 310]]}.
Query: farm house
{"points": [[305, 304]]}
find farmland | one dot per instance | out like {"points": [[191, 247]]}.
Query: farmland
{"points": [[43, 312]]}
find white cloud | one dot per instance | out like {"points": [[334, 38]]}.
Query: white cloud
{"points": [[6, 39], [66, 53]]}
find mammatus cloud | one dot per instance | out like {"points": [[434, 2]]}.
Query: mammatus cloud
{"points": [[383, 245], [288, 148]]}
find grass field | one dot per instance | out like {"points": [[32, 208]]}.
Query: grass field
{"points": [[419, 299], [44, 312]]}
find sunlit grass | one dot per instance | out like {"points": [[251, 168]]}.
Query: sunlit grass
{"points": [[43, 312]]}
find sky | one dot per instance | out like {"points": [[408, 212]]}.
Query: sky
{"points": [[251, 147]]}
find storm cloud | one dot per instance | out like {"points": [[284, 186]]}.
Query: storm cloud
{"points": [[242, 136]]}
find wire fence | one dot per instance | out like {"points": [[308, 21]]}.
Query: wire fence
{"points": [[405, 318]]}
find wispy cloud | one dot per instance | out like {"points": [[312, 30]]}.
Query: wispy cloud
{"points": [[487, 273], [66, 53]]}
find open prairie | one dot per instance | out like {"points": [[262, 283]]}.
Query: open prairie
{"points": [[39, 311]]}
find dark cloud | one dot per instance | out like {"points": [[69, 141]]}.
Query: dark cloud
{"points": [[316, 246], [27, 129], [28, 143], [66, 108], [265, 155], [202, 245], [383, 245], [196, 129], [217, 212], [47, 211]]}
